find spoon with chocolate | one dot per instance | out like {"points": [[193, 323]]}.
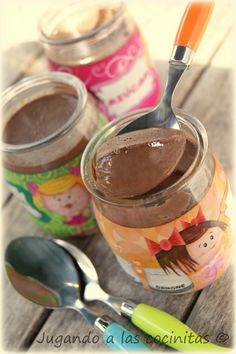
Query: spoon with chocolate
{"points": [[188, 37], [43, 272], [145, 148]]}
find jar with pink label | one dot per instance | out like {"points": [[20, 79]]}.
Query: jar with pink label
{"points": [[99, 42]]}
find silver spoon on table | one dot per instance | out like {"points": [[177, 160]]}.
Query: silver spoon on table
{"points": [[150, 320], [43, 272], [188, 37]]}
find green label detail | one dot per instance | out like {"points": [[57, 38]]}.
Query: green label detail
{"points": [[57, 200]]}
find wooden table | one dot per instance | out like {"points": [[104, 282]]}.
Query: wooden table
{"points": [[205, 92]]}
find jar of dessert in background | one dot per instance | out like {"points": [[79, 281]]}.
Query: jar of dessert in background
{"points": [[99, 42], [48, 120], [177, 238]]}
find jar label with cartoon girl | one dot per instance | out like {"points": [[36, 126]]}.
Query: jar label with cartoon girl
{"points": [[186, 254], [57, 199], [122, 82]]}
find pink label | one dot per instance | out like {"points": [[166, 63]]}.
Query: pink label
{"points": [[122, 82]]}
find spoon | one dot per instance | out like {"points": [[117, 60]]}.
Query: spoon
{"points": [[43, 272], [189, 35], [150, 320]]}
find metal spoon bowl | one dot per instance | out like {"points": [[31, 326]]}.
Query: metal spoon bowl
{"points": [[44, 273]]}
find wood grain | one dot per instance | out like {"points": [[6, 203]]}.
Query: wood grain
{"points": [[159, 31], [213, 311], [212, 314], [17, 60], [211, 102]]}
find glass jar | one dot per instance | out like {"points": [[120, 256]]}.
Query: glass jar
{"points": [[44, 174], [100, 43], [175, 240]]}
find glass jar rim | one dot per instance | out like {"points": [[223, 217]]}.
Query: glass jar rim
{"points": [[145, 200], [37, 80], [45, 38]]}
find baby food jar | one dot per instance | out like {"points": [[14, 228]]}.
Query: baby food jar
{"points": [[99, 42], [48, 120], [175, 240]]}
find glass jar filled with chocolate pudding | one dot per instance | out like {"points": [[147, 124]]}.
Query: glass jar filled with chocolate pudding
{"points": [[99, 42], [161, 201], [48, 121]]}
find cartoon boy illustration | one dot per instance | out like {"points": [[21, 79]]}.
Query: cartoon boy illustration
{"points": [[64, 195]]}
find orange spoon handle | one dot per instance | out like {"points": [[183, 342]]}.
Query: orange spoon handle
{"points": [[193, 24]]}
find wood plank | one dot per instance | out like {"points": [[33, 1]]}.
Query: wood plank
{"points": [[212, 314], [159, 32], [213, 311], [17, 60], [211, 102], [18, 63]]}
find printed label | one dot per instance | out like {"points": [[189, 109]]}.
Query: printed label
{"points": [[157, 278], [174, 282], [186, 254], [57, 200], [123, 81]]}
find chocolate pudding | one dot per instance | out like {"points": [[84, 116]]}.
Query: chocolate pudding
{"points": [[135, 163], [38, 120], [130, 163]]}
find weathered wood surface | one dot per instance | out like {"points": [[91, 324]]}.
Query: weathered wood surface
{"points": [[212, 314], [211, 101], [17, 61], [205, 93]]}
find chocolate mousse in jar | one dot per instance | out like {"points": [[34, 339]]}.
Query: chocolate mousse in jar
{"points": [[99, 42], [175, 236], [48, 120]]}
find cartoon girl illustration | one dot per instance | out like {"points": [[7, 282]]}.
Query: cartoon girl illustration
{"points": [[169, 254], [195, 248], [64, 195], [203, 244]]}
